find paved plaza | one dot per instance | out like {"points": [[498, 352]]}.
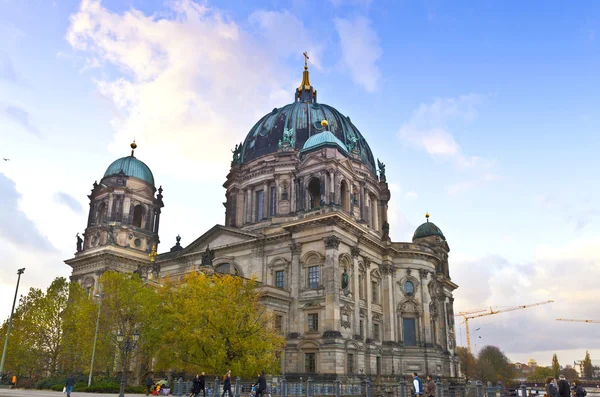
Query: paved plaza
{"points": [[50, 393]]}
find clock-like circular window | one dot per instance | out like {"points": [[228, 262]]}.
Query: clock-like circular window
{"points": [[409, 288]]}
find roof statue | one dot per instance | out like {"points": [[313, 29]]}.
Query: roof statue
{"points": [[381, 167]]}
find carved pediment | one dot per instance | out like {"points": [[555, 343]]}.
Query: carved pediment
{"points": [[312, 306], [410, 305], [216, 237]]}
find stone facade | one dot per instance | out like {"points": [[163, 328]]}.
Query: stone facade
{"points": [[310, 223]]}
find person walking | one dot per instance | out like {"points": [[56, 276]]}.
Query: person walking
{"points": [[69, 385], [149, 384], [417, 384], [227, 385], [261, 384], [563, 387], [551, 387], [430, 387], [579, 390], [195, 386], [202, 384]]}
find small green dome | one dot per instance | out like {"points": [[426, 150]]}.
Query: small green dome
{"points": [[132, 167], [428, 229], [322, 139]]}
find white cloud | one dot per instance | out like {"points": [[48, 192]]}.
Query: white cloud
{"points": [[188, 80], [428, 128], [360, 50], [495, 281]]}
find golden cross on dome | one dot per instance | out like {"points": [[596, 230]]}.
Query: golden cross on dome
{"points": [[306, 58], [153, 254]]}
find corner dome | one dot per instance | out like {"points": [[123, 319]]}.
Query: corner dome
{"points": [[132, 167], [428, 229], [323, 139]]}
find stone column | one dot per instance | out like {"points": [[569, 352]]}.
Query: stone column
{"points": [[375, 215], [249, 205], [332, 185], [389, 329], [323, 188], [363, 207], [277, 196], [368, 296], [355, 256], [241, 211], [296, 324], [265, 214], [338, 189], [331, 282], [424, 318], [292, 194]]}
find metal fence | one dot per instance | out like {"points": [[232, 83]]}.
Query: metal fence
{"points": [[364, 388]]}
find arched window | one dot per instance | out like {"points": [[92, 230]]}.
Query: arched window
{"points": [[345, 196], [314, 193], [101, 213], [409, 288], [138, 215], [226, 268]]}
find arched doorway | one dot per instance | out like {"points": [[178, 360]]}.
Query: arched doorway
{"points": [[314, 193]]}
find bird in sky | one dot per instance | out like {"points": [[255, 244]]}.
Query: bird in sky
{"points": [[5, 159], [478, 329]]}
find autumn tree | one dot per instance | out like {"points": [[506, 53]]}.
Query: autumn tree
{"points": [[555, 366], [130, 306], [569, 372], [467, 362], [493, 365], [540, 374], [215, 323], [587, 366]]}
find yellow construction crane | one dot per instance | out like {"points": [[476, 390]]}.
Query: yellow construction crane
{"points": [[579, 321], [479, 313]]}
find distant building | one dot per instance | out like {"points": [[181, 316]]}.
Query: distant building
{"points": [[532, 364], [523, 370]]}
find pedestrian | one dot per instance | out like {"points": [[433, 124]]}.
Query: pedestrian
{"points": [[579, 390], [430, 387], [417, 384], [261, 384], [563, 387], [69, 385], [551, 387], [14, 381], [149, 383], [202, 384], [195, 386], [227, 385]]}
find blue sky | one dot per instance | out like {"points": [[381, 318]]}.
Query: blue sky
{"points": [[486, 114]]}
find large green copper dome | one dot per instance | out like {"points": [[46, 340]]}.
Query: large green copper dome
{"points": [[301, 121], [132, 167], [428, 229]]}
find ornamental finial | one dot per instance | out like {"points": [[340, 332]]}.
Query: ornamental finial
{"points": [[152, 254], [305, 85], [133, 146], [427, 216]]}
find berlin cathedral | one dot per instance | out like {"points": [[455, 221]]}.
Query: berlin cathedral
{"points": [[306, 214]]}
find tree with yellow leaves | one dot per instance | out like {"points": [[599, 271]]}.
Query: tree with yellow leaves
{"points": [[215, 323]]}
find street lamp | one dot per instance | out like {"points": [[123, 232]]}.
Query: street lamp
{"points": [[128, 346], [99, 296], [19, 272]]}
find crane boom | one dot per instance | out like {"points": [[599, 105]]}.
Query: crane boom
{"points": [[479, 313], [510, 309], [578, 321]]}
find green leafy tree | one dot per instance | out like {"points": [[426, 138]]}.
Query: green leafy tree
{"points": [[467, 362], [569, 373], [555, 366], [540, 374], [493, 365], [587, 366], [218, 323], [130, 306]]}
